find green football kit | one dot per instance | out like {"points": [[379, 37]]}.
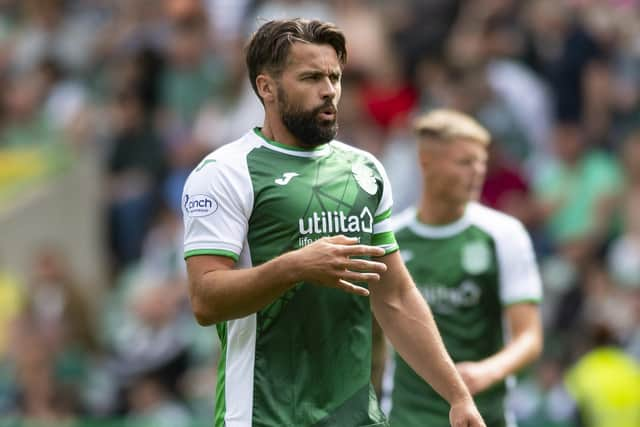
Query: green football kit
{"points": [[305, 359], [468, 271]]}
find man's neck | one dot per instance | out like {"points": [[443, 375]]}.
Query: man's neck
{"points": [[435, 211], [275, 130]]}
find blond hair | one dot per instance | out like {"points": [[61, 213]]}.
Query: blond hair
{"points": [[447, 125]]}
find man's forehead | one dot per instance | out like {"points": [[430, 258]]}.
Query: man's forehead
{"points": [[451, 146], [313, 56], [466, 146]]}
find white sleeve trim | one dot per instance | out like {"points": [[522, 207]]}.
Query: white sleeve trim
{"points": [[518, 271], [404, 218], [383, 226]]}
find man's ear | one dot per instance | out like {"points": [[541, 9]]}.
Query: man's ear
{"points": [[266, 86]]}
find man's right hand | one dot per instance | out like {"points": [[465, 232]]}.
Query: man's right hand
{"points": [[465, 414], [328, 262]]}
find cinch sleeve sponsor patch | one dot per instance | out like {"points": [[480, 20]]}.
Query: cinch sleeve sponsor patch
{"points": [[199, 205]]}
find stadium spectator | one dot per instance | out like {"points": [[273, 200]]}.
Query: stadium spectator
{"points": [[605, 383], [624, 252], [137, 166], [572, 192]]}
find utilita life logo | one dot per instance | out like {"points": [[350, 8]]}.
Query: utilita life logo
{"points": [[333, 222]]}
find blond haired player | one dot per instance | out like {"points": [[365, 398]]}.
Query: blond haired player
{"points": [[476, 268]]}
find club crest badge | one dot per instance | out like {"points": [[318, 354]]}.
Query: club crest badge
{"points": [[476, 257], [365, 178]]}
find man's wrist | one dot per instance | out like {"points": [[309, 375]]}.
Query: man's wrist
{"points": [[460, 395], [286, 267], [493, 370], [463, 402]]}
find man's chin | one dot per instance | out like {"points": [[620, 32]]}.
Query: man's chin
{"points": [[327, 125], [316, 143], [328, 134], [319, 134]]}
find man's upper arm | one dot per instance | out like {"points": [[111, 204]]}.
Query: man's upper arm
{"points": [[522, 317], [199, 265], [395, 280]]}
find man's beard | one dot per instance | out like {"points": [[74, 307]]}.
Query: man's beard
{"points": [[306, 126]]}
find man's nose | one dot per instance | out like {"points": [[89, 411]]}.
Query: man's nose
{"points": [[327, 89]]}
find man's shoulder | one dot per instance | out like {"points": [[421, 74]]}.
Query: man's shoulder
{"points": [[232, 154], [343, 147], [228, 163], [493, 221], [356, 153], [403, 220]]}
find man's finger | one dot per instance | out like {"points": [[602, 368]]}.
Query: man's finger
{"points": [[351, 288], [362, 250], [357, 276], [342, 240], [356, 264]]}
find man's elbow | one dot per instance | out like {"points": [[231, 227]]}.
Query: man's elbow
{"points": [[534, 345], [538, 344], [205, 314], [204, 319]]}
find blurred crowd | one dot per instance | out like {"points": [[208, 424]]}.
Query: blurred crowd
{"points": [[151, 86]]}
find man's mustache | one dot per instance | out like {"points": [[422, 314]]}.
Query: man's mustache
{"points": [[327, 106]]}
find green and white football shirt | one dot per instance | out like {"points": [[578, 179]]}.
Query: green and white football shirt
{"points": [[305, 359], [468, 271]]}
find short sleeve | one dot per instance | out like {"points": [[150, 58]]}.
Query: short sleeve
{"points": [[519, 275], [383, 235], [216, 205]]}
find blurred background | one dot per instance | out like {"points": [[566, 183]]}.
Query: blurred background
{"points": [[106, 105]]}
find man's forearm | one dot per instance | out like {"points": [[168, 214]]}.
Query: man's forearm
{"points": [[516, 355], [525, 344], [407, 321], [219, 292], [226, 294]]}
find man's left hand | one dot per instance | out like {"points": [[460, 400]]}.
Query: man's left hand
{"points": [[476, 375]]}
